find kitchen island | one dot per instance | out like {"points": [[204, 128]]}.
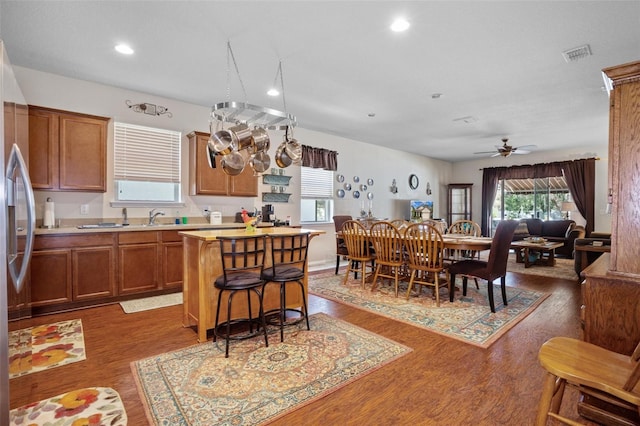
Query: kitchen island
{"points": [[202, 265]]}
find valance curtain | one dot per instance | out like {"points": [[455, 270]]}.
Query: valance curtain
{"points": [[319, 158], [579, 174]]}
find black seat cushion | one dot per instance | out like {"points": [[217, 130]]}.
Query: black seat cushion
{"points": [[283, 273], [240, 281]]}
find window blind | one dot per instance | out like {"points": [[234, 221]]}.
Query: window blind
{"points": [[316, 183], [146, 154]]}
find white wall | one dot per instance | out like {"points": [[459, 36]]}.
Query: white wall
{"points": [[355, 159], [471, 172]]}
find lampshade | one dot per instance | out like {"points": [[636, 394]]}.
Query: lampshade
{"points": [[568, 206]]}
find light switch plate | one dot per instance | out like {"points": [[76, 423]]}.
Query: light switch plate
{"points": [[84, 209]]}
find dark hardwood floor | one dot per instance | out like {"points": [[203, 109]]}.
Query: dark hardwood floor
{"points": [[443, 381]]}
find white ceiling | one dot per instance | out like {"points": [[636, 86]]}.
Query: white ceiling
{"points": [[500, 62]]}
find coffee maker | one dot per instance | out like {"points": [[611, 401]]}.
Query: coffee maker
{"points": [[268, 214]]}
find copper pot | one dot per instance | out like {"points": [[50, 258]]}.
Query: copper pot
{"points": [[282, 158]]}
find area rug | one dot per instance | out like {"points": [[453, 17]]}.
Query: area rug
{"points": [[562, 269], [82, 407], [255, 385], [39, 348], [467, 319], [154, 302]]}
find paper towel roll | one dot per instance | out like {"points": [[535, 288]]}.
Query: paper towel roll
{"points": [[49, 219]]}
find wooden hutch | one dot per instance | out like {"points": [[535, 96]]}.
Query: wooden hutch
{"points": [[611, 289]]}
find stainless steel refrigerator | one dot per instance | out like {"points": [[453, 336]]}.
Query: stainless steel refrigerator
{"points": [[17, 219]]}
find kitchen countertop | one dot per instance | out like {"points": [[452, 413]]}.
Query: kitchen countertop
{"points": [[139, 227]]}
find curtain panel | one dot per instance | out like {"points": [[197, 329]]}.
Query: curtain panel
{"points": [[319, 158], [579, 174]]}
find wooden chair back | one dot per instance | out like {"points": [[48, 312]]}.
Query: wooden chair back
{"points": [[356, 239], [424, 246], [466, 227], [387, 243]]}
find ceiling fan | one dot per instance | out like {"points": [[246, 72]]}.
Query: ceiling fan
{"points": [[506, 150]]}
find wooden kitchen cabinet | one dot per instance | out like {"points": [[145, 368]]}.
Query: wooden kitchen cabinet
{"points": [[172, 262], [204, 180], [67, 150], [139, 261], [70, 268]]}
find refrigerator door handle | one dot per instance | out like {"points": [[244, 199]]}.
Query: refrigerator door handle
{"points": [[16, 164]]}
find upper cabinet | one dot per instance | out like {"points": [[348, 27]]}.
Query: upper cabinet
{"points": [[205, 180], [67, 150], [624, 174]]}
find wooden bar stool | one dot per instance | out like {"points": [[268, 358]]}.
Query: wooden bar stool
{"points": [[288, 265], [242, 265]]}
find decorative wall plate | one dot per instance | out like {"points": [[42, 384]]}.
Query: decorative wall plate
{"points": [[370, 195], [356, 194], [340, 193], [363, 187], [347, 187], [340, 178], [370, 181], [356, 179]]}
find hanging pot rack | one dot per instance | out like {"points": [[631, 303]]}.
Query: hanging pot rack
{"points": [[252, 115]]}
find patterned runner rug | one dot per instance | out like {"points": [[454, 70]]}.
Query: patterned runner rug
{"points": [[153, 302], [467, 319], [199, 386], [82, 407], [39, 348]]}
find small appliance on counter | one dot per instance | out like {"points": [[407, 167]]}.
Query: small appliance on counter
{"points": [[268, 214], [215, 218]]}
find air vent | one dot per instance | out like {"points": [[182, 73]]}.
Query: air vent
{"points": [[468, 119], [573, 55]]}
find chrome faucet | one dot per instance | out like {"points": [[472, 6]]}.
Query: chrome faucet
{"points": [[153, 214]]}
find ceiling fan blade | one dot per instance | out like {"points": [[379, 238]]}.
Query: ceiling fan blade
{"points": [[527, 147], [497, 154], [485, 152], [520, 151]]}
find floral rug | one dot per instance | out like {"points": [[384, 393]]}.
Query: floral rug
{"points": [[467, 319], [256, 384], [39, 348], [82, 407]]}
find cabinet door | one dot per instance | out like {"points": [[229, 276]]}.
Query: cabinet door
{"points": [[82, 153], [93, 273], [138, 268], [203, 180], [43, 149], [245, 184], [50, 277], [172, 265]]}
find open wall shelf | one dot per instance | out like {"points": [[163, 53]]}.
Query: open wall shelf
{"points": [[276, 180], [275, 197]]}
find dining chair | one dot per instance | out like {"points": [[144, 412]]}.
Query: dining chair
{"points": [[388, 246], [400, 223], [440, 225], [425, 250], [468, 228], [288, 265], [359, 253], [242, 266], [341, 248], [595, 371], [494, 267]]}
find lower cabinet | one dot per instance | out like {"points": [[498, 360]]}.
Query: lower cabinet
{"points": [[72, 268], [76, 270]]}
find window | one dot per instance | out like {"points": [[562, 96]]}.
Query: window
{"points": [[146, 164], [525, 198], [316, 204]]}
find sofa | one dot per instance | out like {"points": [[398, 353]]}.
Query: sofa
{"points": [[563, 231], [602, 239]]}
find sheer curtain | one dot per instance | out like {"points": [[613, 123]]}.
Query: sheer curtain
{"points": [[579, 174]]}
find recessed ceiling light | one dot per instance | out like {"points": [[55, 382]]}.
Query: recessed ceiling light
{"points": [[273, 92], [400, 25], [124, 49]]}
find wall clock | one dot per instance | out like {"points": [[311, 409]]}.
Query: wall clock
{"points": [[413, 181]]}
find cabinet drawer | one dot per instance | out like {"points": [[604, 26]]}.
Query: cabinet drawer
{"points": [[44, 242], [137, 237], [171, 236]]}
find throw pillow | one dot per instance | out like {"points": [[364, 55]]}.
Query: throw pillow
{"points": [[522, 229]]}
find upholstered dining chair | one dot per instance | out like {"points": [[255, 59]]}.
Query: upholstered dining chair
{"points": [[356, 238], [425, 249], [341, 248], [242, 266], [495, 267], [288, 265], [595, 371], [388, 246]]}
